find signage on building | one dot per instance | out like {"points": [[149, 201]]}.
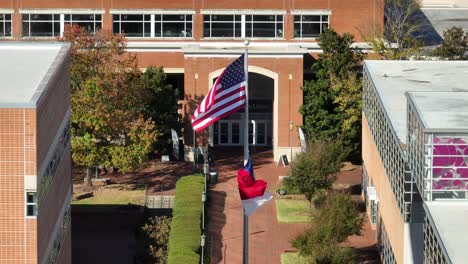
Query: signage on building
{"points": [[175, 144], [302, 139]]}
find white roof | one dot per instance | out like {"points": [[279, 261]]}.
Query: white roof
{"points": [[393, 79], [450, 219], [442, 110], [25, 70]]}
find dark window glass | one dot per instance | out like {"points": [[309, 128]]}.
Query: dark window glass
{"points": [[250, 133], [173, 17], [57, 17], [264, 30], [235, 133], [279, 30], [25, 29], [248, 18], [325, 18], [115, 17], [67, 17], [260, 133], [206, 30], [224, 133], [310, 30], [147, 17], [297, 18], [115, 28], [82, 18], [206, 18], [25, 17], [311, 18], [238, 30], [157, 29], [35, 17], [31, 210], [98, 17], [215, 133], [176, 29], [42, 29], [297, 30], [189, 30], [279, 18], [222, 30], [131, 18], [222, 18], [132, 29], [30, 197], [147, 29]]}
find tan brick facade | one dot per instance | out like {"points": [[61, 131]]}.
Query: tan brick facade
{"points": [[388, 207], [29, 134]]}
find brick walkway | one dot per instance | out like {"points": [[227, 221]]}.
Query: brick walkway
{"points": [[268, 238]]}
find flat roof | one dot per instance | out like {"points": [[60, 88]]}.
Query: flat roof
{"points": [[450, 218], [25, 71], [392, 79], [442, 111], [440, 19]]}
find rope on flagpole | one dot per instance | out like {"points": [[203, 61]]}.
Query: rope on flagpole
{"points": [[245, 257]]}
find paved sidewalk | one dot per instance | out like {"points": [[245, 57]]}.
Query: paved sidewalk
{"points": [[268, 238]]}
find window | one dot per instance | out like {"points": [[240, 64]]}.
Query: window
{"points": [[264, 26], [41, 25], [309, 26], [222, 26], [374, 208], [132, 25], [91, 22], [179, 26], [5, 25], [31, 204]]}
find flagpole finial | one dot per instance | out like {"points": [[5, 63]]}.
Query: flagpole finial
{"points": [[246, 42]]}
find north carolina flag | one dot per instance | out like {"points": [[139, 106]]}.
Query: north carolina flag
{"points": [[253, 193]]}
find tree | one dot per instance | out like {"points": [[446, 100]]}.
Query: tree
{"points": [[316, 169], [163, 107], [454, 46], [332, 102], [333, 223], [108, 102], [403, 31]]}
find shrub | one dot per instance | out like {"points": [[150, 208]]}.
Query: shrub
{"points": [[184, 239], [334, 222], [156, 237], [316, 168]]}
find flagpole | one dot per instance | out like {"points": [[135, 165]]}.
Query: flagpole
{"points": [[246, 149]]}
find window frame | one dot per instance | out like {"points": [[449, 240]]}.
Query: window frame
{"points": [[162, 22], [34, 203], [4, 22], [244, 22], [71, 21], [61, 20], [301, 23]]}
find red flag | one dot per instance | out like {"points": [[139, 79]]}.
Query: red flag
{"points": [[252, 192]]}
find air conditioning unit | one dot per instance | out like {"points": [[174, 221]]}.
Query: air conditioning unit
{"points": [[372, 193]]}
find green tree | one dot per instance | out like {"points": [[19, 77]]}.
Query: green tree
{"points": [[108, 102], [333, 223], [163, 107], [315, 169], [156, 238], [332, 104], [454, 46]]}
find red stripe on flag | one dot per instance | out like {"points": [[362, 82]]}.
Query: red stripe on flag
{"points": [[218, 109], [220, 117]]}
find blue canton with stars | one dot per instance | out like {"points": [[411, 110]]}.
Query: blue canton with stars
{"points": [[234, 74]]}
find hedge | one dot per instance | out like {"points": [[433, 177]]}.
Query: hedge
{"points": [[184, 239]]}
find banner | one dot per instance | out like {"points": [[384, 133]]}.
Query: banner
{"points": [[302, 139], [175, 144]]}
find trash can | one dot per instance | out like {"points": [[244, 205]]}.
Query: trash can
{"points": [[213, 177]]}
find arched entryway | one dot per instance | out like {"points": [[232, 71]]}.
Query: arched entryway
{"points": [[263, 109]]}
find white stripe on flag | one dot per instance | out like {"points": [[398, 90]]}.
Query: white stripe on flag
{"points": [[220, 103], [227, 109], [250, 205]]}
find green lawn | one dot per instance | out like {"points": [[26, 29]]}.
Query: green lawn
{"points": [[292, 211], [292, 258], [115, 194]]}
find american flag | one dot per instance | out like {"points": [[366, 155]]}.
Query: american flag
{"points": [[226, 97]]}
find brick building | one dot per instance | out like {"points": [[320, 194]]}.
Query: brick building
{"points": [[35, 161], [415, 152], [195, 40]]}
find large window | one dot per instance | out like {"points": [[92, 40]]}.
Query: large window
{"points": [[91, 22], [222, 26], [175, 26], [242, 26], [5, 25], [309, 26], [41, 25], [132, 25], [153, 25], [52, 25], [31, 204], [264, 26]]}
